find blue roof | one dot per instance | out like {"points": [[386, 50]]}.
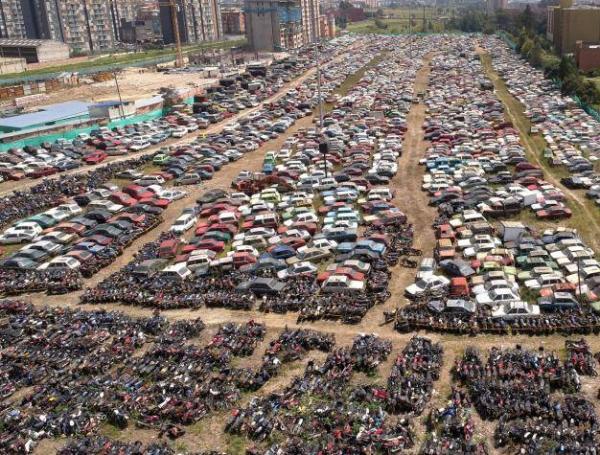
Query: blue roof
{"points": [[48, 114]]}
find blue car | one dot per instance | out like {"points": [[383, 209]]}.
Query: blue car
{"points": [[370, 245], [282, 252], [91, 247], [345, 247]]}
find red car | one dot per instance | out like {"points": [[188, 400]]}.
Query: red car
{"points": [[241, 259], [214, 209], [210, 244], [122, 198], [135, 218], [9, 174], [42, 172], [554, 213], [73, 228], [311, 228], [137, 191], [160, 202], [168, 248], [95, 157], [99, 239], [345, 271]]}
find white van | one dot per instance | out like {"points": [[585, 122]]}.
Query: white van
{"points": [[183, 223], [179, 270]]}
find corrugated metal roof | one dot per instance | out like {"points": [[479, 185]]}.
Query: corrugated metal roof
{"points": [[27, 42], [52, 113]]}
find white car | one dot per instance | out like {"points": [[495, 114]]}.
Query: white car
{"points": [[106, 204], [516, 309], [64, 211], [495, 284], [61, 237], [43, 245], [179, 132], [21, 232], [299, 268], [431, 283], [496, 296], [341, 283], [323, 243], [61, 263], [173, 195]]}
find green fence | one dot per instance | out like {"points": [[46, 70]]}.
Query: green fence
{"points": [[36, 141]]}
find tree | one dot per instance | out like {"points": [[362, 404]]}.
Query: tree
{"points": [[379, 13], [380, 24], [566, 68], [535, 55], [526, 18]]}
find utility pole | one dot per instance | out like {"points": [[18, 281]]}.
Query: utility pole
{"points": [[121, 110], [323, 147], [172, 4], [579, 277]]}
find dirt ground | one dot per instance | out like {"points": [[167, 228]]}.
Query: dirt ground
{"points": [[208, 434], [134, 83]]}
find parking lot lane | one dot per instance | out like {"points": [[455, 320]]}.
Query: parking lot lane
{"points": [[409, 197]]}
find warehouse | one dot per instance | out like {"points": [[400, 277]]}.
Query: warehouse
{"points": [[34, 50], [55, 114]]}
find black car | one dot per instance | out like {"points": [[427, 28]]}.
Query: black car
{"points": [[262, 286]]}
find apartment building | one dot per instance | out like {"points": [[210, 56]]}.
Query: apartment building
{"points": [[567, 24], [198, 20], [85, 25], [273, 25], [310, 20]]}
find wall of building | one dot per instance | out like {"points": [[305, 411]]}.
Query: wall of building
{"points": [[262, 24], [51, 51], [587, 56], [12, 65], [574, 24]]}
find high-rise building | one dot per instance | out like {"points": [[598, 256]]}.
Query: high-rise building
{"points": [[198, 20], [233, 20], [124, 10], [494, 5], [85, 25], [567, 24], [310, 20], [273, 25]]}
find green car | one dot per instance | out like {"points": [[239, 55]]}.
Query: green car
{"points": [[44, 221], [217, 235], [159, 159]]}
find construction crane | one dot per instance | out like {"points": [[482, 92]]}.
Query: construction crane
{"points": [[175, 23]]}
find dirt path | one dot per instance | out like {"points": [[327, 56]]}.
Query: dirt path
{"points": [[407, 183]]}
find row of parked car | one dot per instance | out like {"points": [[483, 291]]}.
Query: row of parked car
{"points": [[221, 102], [571, 134], [477, 173], [79, 231]]}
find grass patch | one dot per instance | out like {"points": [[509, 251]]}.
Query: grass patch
{"points": [[110, 431], [236, 445], [121, 59]]}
